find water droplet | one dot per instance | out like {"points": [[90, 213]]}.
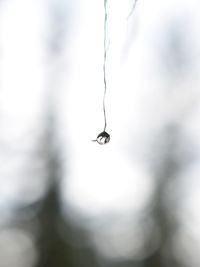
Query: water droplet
{"points": [[103, 138]]}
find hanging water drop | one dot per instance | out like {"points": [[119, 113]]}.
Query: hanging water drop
{"points": [[103, 138]]}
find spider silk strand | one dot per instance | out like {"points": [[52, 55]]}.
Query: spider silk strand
{"points": [[104, 63]]}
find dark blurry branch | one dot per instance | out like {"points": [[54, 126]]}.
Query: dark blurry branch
{"points": [[172, 156], [57, 234]]}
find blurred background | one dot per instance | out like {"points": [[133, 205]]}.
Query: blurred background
{"points": [[67, 201]]}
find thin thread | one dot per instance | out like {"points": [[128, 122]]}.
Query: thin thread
{"points": [[105, 54], [132, 9], [104, 63]]}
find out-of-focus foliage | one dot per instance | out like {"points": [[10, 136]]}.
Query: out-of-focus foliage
{"points": [[66, 201]]}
